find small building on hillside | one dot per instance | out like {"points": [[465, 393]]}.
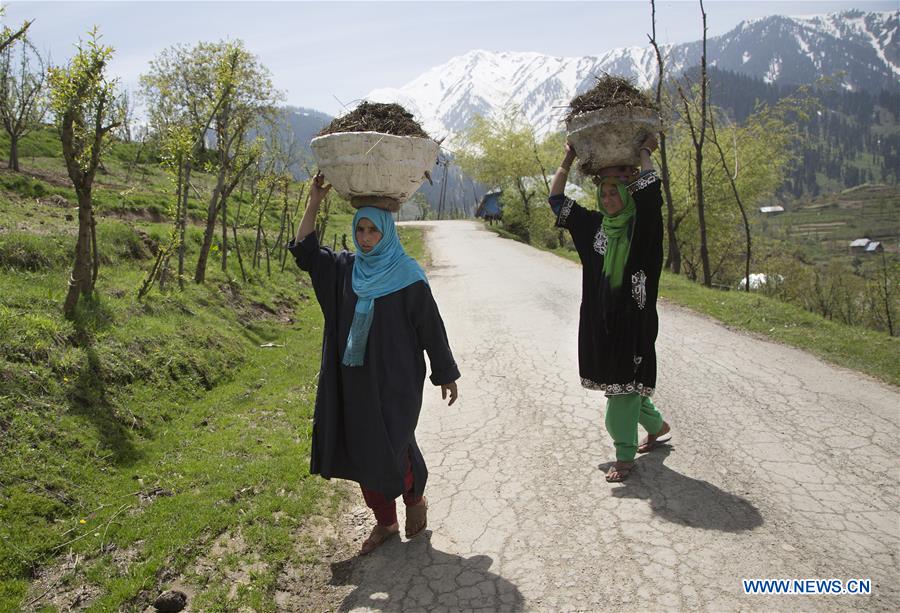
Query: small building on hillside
{"points": [[859, 245], [874, 247], [771, 210], [489, 208]]}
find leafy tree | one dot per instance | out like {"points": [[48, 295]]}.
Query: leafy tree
{"points": [[23, 102], [8, 36], [505, 153], [226, 80], [745, 165], [87, 106]]}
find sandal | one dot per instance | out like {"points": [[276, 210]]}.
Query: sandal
{"points": [[619, 471], [416, 518], [378, 536], [652, 441]]}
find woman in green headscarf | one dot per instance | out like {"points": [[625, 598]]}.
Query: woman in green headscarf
{"points": [[620, 247]]}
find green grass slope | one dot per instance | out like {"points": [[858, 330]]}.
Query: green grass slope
{"points": [[136, 435]]}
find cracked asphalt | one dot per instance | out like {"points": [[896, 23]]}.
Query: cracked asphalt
{"points": [[781, 465]]}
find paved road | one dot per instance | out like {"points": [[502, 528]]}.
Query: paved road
{"points": [[781, 466]]}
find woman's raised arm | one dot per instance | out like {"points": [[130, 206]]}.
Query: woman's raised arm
{"points": [[317, 192], [558, 186]]}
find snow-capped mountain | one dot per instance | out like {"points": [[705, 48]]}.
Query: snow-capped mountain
{"points": [[863, 47]]}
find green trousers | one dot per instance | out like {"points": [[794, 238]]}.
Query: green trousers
{"points": [[623, 414]]}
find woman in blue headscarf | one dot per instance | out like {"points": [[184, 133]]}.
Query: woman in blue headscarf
{"points": [[379, 318]]}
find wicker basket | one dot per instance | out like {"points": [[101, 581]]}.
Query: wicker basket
{"points": [[372, 168], [611, 136]]}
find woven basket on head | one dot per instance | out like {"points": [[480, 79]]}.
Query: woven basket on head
{"points": [[373, 168], [611, 136]]}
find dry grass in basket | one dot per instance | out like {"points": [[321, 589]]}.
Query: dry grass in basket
{"points": [[376, 117], [609, 91]]}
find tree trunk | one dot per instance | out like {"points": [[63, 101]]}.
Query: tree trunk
{"points": [[886, 293], [200, 275], [283, 225], [256, 248], [224, 235], [673, 254], [698, 145], [81, 280], [266, 245], [237, 250], [701, 215], [732, 178], [94, 254], [182, 222], [13, 153], [137, 158]]}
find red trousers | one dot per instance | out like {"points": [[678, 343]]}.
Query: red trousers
{"points": [[386, 510]]}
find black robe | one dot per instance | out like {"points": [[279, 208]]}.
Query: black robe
{"points": [[365, 416], [617, 328]]}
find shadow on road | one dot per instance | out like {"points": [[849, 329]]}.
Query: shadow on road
{"points": [[414, 575], [686, 501]]}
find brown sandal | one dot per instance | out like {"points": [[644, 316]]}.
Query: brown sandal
{"points": [[378, 536], [416, 518]]}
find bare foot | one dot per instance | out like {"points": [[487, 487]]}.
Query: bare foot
{"points": [[378, 536]]}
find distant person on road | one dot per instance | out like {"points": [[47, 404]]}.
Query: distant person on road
{"points": [[379, 317], [620, 248]]}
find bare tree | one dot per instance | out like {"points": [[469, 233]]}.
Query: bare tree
{"points": [[23, 101], [673, 254], [698, 137], [87, 107], [732, 178], [127, 115]]}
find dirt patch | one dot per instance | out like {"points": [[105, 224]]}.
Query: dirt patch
{"points": [[609, 91], [249, 311], [150, 243], [57, 179], [376, 117], [305, 583], [124, 558], [61, 587], [55, 200], [150, 215], [327, 551]]}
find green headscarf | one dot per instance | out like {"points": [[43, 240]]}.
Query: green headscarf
{"points": [[616, 227]]}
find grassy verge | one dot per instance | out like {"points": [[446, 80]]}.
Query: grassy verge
{"points": [[136, 438], [142, 430], [849, 346]]}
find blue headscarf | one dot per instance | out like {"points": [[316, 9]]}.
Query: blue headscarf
{"points": [[384, 270]]}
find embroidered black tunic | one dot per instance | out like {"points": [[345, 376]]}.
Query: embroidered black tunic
{"points": [[617, 328], [366, 416]]}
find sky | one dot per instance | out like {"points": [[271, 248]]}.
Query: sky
{"points": [[323, 55]]}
